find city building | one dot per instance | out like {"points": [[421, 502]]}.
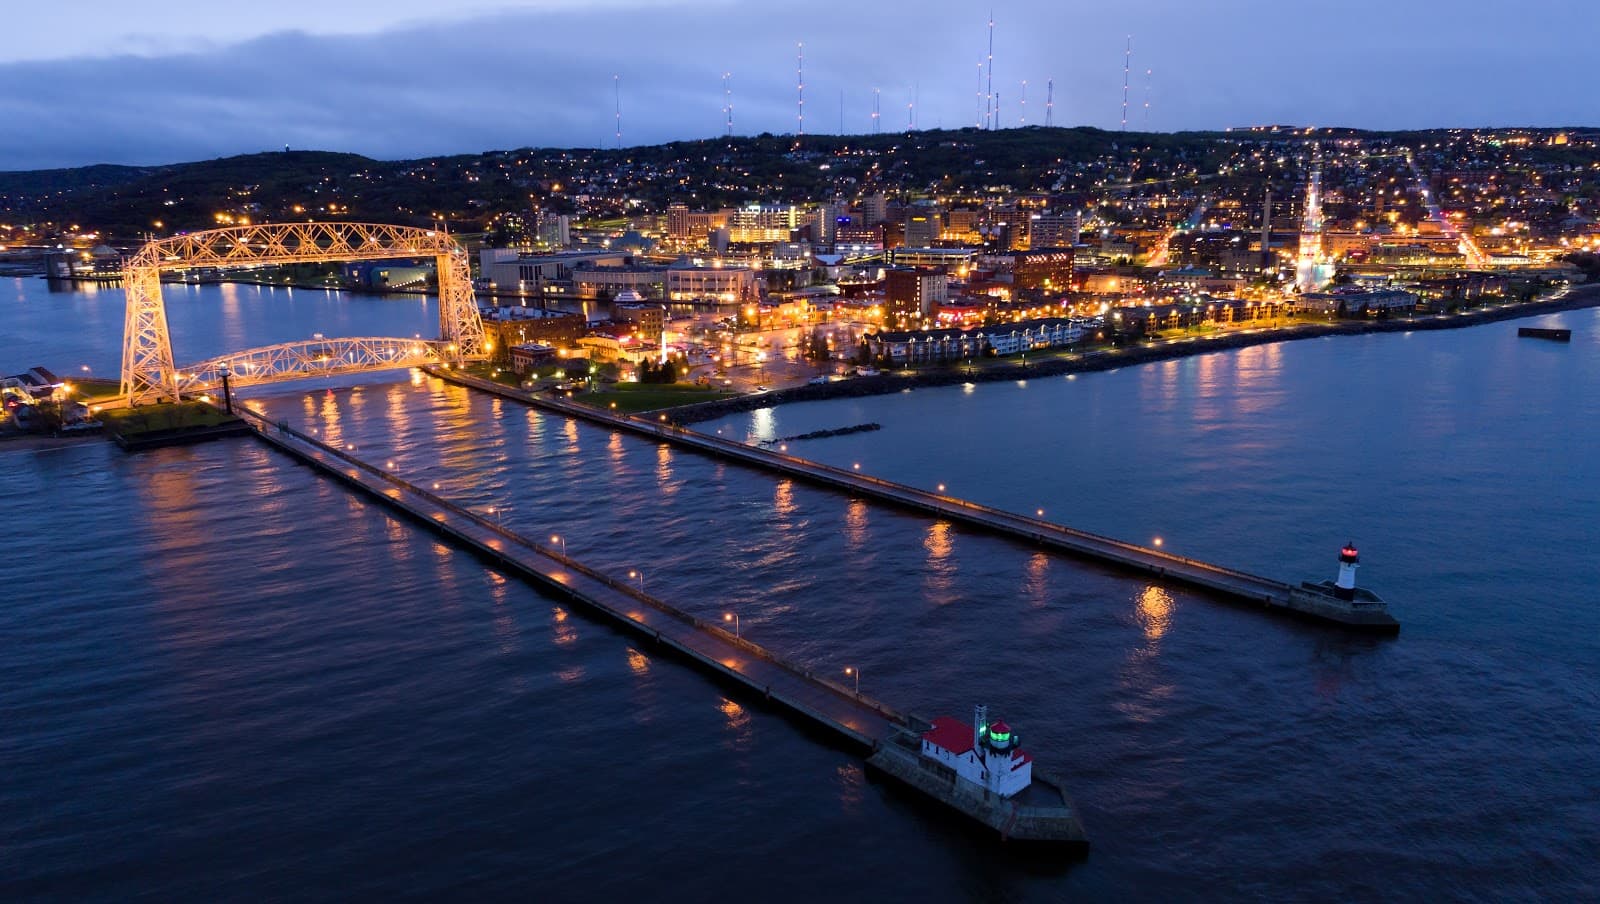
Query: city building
{"points": [[913, 294], [691, 284], [1054, 230]]}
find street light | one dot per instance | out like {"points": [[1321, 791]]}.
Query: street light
{"points": [[851, 670], [639, 576], [557, 538], [733, 617]]}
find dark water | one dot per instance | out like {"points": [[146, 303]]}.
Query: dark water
{"points": [[226, 677]]}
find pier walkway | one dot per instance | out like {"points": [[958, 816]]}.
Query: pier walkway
{"points": [[1235, 584], [855, 717]]}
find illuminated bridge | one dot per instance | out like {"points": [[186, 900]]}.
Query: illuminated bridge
{"points": [[311, 358], [148, 372]]}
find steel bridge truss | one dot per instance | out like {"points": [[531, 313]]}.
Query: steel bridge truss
{"points": [[148, 373], [311, 358]]}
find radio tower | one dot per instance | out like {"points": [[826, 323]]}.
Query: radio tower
{"points": [[800, 89], [1127, 62], [1147, 74], [616, 86], [876, 98], [1023, 118], [1049, 103], [989, 110], [727, 104], [980, 94]]}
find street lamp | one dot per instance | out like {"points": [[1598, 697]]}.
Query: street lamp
{"points": [[851, 670], [733, 617], [557, 538], [639, 576]]}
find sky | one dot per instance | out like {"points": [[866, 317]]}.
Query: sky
{"points": [[175, 80]]}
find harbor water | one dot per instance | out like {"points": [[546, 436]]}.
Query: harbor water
{"points": [[227, 677]]}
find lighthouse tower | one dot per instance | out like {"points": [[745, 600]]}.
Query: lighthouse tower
{"points": [[1349, 561]]}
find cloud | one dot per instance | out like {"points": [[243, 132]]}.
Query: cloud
{"points": [[543, 77]]}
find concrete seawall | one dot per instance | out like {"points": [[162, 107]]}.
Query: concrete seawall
{"points": [[1228, 582]]}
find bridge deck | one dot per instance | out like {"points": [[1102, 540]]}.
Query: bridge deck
{"points": [[857, 718], [1227, 581]]}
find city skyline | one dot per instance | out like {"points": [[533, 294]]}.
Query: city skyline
{"points": [[390, 82]]}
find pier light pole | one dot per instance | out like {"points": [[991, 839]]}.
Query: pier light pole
{"points": [[227, 390], [733, 617], [639, 576], [557, 538], [852, 670]]}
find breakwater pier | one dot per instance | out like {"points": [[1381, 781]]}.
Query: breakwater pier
{"points": [[854, 719], [1232, 584]]}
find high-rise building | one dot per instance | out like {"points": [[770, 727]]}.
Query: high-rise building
{"points": [[924, 225], [874, 209], [1054, 230], [913, 295]]}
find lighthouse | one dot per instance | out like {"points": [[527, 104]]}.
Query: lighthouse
{"points": [[1349, 561]]}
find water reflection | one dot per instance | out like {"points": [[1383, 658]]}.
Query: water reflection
{"points": [[1036, 582], [1154, 611], [738, 724], [855, 524], [664, 470], [764, 424], [637, 662], [939, 577], [563, 630], [783, 503]]}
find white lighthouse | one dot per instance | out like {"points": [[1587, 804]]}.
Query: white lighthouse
{"points": [[1349, 561]]}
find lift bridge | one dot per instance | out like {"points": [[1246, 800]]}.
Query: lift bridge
{"points": [[148, 372]]}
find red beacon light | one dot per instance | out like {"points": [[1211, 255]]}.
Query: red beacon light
{"points": [[1348, 553]]}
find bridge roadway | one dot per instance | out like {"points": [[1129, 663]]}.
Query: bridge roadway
{"points": [[855, 717], [1234, 584]]}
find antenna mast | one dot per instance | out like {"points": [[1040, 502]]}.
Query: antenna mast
{"points": [[1023, 120], [1049, 103], [1127, 62], [1147, 74], [800, 88], [876, 98], [989, 113], [727, 104], [616, 85]]}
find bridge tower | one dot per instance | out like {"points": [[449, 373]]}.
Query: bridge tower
{"points": [[148, 371]]}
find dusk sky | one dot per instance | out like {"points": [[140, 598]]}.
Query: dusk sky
{"points": [[398, 78]]}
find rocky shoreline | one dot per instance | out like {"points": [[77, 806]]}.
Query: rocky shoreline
{"points": [[857, 387]]}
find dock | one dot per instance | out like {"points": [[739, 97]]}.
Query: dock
{"points": [[1238, 586], [857, 720]]}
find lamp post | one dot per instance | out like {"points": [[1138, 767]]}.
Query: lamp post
{"points": [[557, 538], [227, 390], [852, 670], [639, 576], [733, 617]]}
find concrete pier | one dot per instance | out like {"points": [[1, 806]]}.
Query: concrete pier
{"points": [[854, 718], [1237, 585]]}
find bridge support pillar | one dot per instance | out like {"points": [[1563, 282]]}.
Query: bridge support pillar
{"points": [[460, 325], [148, 374]]}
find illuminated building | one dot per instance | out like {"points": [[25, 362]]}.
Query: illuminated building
{"points": [[913, 293]]}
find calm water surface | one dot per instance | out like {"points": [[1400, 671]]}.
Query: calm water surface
{"points": [[227, 677]]}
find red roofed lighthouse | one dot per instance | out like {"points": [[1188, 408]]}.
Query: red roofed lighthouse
{"points": [[984, 754]]}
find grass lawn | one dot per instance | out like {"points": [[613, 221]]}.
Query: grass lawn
{"points": [[630, 398], [166, 416]]}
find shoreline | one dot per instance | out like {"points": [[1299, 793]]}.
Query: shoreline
{"points": [[1578, 298]]}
